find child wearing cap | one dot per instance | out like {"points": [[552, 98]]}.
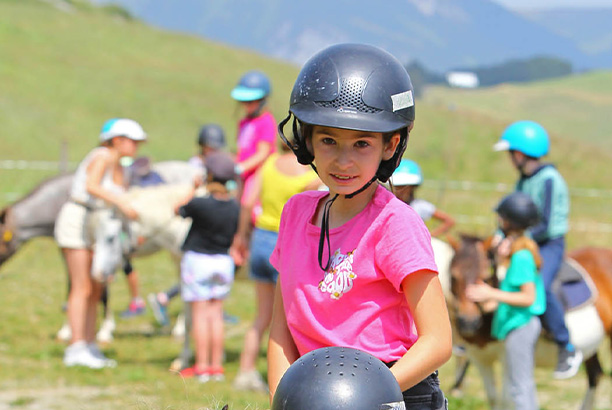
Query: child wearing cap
{"points": [[98, 187], [207, 270]]}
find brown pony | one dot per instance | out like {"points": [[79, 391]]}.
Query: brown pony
{"points": [[471, 264]]}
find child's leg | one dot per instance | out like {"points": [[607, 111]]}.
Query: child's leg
{"points": [[201, 334], [92, 310], [264, 292], [78, 262], [216, 332], [519, 364]]}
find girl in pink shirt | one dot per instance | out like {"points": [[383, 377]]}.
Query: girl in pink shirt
{"points": [[356, 265], [257, 130]]}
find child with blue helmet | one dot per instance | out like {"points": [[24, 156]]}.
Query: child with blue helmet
{"points": [[405, 181], [527, 142], [256, 138]]}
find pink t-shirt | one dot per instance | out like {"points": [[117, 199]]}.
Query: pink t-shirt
{"points": [[359, 303], [251, 131]]}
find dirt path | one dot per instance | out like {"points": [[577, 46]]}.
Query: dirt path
{"points": [[86, 398]]}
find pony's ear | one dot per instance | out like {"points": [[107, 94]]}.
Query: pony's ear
{"points": [[225, 407], [3, 216], [453, 242]]}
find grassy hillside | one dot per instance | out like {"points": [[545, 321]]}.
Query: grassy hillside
{"points": [[573, 108], [65, 70]]}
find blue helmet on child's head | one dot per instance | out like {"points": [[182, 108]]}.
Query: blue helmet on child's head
{"points": [[253, 86], [338, 378], [356, 87], [527, 137], [407, 173]]}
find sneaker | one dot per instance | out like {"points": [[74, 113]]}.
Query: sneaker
{"points": [[136, 308], [568, 363], [216, 374], [250, 380], [192, 371], [97, 353], [230, 319], [160, 312], [77, 354], [105, 333]]}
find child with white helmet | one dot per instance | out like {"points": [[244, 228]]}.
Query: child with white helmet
{"points": [[350, 273], [98, 185], [405, 181]]}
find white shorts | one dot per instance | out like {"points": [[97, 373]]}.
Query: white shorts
{"points": [[73, 227], [206, 277]]}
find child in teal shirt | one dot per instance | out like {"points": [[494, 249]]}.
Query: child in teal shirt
{"points": [[520, 299]]}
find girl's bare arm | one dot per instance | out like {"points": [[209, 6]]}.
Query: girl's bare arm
{"points": [[434, 346], [282, 351]]}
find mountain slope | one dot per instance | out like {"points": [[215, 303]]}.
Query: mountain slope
{"points": [[442, 34], [590, 29]]}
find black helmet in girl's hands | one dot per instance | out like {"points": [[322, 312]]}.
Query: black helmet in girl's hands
{"points": [[355, 87], [338, 378]]}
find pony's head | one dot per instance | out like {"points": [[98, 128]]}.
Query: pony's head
{"points": [[8, 240], [470, 264]]}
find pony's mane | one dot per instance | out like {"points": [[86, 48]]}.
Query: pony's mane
{"points": [[468, 245]]}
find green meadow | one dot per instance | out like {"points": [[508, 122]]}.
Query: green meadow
{"points": [[66, 67]]}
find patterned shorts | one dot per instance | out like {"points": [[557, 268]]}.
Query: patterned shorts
{"points": [[206, 277]]}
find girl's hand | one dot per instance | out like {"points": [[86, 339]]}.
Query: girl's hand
{"points": [[504, 248], [239, 250], [127, 210], [478, 292], [198, 181]]}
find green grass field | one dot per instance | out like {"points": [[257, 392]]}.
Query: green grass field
{"points": [[63, 72]]}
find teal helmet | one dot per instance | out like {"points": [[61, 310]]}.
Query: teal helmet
{"points": [[527, 137], [407, 173], [252, 86]]}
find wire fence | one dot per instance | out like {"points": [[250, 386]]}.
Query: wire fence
{"points": [[441, 185]]}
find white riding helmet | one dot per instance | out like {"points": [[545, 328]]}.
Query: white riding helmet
{"points": [[122, 127]]}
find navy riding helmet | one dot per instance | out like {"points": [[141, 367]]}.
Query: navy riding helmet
{"points": [[338, 378], [519, 209], [211, 135], [356, 87]]}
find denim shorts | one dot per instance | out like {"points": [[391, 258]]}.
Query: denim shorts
{"points": [[262, 245], [425, 395]]}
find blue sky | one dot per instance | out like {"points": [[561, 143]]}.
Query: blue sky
{"points": [[547, 4]]}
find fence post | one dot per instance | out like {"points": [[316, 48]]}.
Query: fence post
{"points": [[63, 162]]}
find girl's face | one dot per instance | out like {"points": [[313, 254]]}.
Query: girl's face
{"points": [[346, 159], [250, 107], [126, 147]]}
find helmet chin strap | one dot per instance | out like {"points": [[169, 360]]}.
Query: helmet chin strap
{"points": [[324, 236], [307, 158]]}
